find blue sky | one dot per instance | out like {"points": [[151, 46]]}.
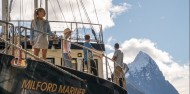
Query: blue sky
{"points": [[160, 28], [165, 22]]}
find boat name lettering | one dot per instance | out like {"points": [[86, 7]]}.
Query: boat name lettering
{"points": [[51, 87]]}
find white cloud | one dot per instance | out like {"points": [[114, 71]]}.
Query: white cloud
{"points": [[109, 39], [176, 74], [109, 47], [118, 9]]}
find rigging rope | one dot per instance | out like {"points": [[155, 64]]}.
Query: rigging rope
{"points": [[95, 11], [53, 10], [10, 7], [61, 11], [22, 12], [71, 6], [89, 20], [81, 17], [65, 5], [40, 3]]}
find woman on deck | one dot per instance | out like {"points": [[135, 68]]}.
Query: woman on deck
{"points": [[66, 48], [37, 39]]}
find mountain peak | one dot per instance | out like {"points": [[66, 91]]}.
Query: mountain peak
{"points": [[142, 54], [145, 75], [141, 60]]}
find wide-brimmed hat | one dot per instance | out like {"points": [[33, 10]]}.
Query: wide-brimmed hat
{"points": [[67, 30]]}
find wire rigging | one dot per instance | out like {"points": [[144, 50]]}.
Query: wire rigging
{"points": [[61, 11], [81, 17], [97, 19], [65, 5], [89, 20], [95, 11], [53, 10], [25, 9], [10, 7], [71, 6], [72, 11], [22, 12], [20, 9], [40, 3]]}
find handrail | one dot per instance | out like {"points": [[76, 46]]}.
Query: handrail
{"points": [[57, 21], [25, 29], [5, 22], [67, 41], [70, 22], [44, 61], [31, 29]]}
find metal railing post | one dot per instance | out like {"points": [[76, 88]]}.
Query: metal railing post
{"points": [[6, 35], [25, 42], [6, 38], [13, 39], [106, 68]]}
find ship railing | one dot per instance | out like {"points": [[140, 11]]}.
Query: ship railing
{"points": [[74, 26], [22, 29], [6, 26], [37, 57]]}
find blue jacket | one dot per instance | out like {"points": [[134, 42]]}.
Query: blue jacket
{"points": [[46, 28], [86, 44]]}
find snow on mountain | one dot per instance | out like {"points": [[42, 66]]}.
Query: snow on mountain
{"points": [[145, 77]]}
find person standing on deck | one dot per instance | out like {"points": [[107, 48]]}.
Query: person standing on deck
{"points": [[118, 72], [66, 48], [88, 57], [40, 40]]}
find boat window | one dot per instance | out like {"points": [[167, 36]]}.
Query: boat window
{"points": [[74, 63], [96, 61], [52, 60]]}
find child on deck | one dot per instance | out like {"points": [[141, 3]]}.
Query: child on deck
{"points": [[88, 57]]}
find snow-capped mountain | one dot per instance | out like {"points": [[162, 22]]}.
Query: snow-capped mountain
{"points": [[145, 77]]}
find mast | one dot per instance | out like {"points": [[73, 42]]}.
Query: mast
{"points": [[46, 9], [46, 6], [5, 17], [35, 4]]}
